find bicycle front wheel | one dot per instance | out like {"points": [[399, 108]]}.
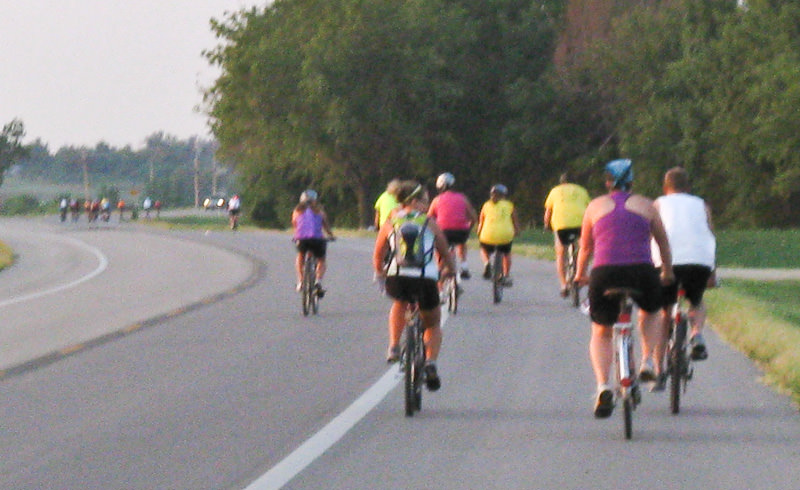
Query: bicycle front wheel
{"points": [[677, 361]]}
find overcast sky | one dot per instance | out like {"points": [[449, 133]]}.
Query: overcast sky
{"points": [[77, 72]]}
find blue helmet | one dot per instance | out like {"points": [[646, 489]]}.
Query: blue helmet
{"points": [[621, 172]]}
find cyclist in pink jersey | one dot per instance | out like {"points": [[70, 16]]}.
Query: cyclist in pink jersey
{"points": [[616, 230], [455, 216]]}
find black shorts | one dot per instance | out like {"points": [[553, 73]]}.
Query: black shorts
{"points": [[692, 278], [317, 246], [644, 278], [567, 235], [420, 289], [233, 212], [504, 249], [456, 237]]}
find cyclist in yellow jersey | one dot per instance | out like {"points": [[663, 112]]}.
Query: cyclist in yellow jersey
{"points": [[497, 227], [563, 213]]}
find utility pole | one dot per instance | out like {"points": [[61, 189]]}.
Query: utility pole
{"points": [[196, 173], [213, 176]]}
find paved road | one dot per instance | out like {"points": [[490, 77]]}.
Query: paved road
{"points": [[220, 395]]}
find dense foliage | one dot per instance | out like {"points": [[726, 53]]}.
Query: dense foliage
{"points": [[342, 95]]}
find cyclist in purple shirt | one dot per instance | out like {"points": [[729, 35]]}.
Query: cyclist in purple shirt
{"points": [[309, 222], [616, 229]]}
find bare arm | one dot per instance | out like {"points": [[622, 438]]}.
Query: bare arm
{"points": [[381, 248], [442, 247], [660, 236], [548, 213]]}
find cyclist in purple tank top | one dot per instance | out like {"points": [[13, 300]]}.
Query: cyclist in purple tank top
{"points": [[309, 222], [617, 229]]}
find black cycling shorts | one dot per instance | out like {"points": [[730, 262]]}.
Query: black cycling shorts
{"points": [[317, 246], [456, 237], [567, 235], [644, 278], [692, 278], [504, 249], [420, 289]]}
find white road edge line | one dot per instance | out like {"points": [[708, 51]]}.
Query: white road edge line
{"points": [[101, 266], [329, 435]]}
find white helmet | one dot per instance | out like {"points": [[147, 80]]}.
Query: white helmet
{"points": [[445, 181], [308, 196]]}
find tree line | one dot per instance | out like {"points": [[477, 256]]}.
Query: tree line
{"points": [[343, 95], [163, 168]]}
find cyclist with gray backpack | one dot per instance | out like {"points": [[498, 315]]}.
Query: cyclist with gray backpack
{"points": [[410, 238]]}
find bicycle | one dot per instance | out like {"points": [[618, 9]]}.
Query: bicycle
{"points": [[310, 293], [679, 359], [626, 383], [413, 359], [571, 270], [451, 286]]}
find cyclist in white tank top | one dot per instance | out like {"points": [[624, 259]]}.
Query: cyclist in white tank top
{"points": [[687, 221]]}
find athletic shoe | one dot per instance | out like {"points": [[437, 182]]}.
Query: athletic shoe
{"points": [[299, 287], [646, 372], [699, 351], [393, 354], [507, 281], [660, 384], [465, 273], [604, 403], [432, 380], [487, 271], [564, 292], [320, 290]]}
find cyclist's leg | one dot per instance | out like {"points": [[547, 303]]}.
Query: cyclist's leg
{"points": [[431, 320], [430, 313], [646, 281], [300, 260], [506, 251], [485, 250], [320, 252], [397, 314]]}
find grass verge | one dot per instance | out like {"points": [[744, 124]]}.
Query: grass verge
{"points": [[762, 322], [6, 256]]}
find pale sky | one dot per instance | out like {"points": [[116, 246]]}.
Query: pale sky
{"points": [[77, 72]]}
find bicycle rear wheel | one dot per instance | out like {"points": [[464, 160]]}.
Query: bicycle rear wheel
{"points": [[627, 405], [497, 277], [412, 366], [574, 290], [308, 291], [677, 365]]}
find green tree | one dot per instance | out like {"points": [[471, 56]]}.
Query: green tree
{"points": [[11, 147]]}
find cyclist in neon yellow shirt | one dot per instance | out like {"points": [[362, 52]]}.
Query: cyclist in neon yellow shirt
{"points": [[497, 227], [386, 203], [563, 213]]}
